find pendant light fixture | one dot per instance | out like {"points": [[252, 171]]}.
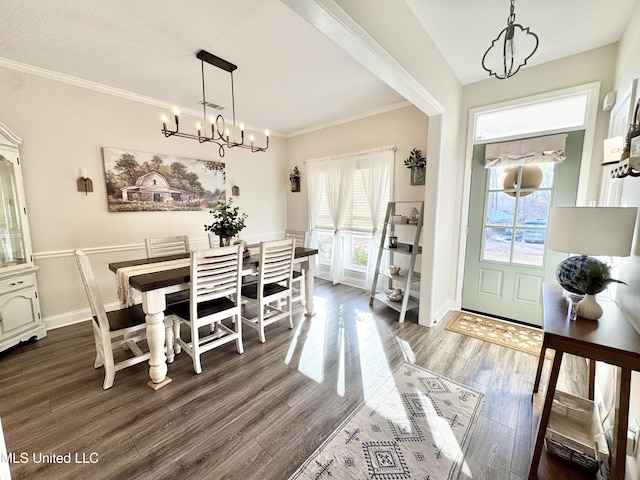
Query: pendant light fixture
{"points": [[506, 63], [222, 134]]}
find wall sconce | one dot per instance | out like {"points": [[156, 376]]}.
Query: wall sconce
{"points": [[393, 242], [84, 183], [235, 191], [294, 179]]}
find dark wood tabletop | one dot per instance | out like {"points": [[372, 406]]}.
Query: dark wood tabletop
{"points": [[612, 339], [176, 276]]}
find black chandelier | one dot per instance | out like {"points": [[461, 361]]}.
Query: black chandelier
{"points": [[221, 134], [506, 39]]}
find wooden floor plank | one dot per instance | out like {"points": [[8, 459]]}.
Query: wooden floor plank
{"points": [[258, 415]]}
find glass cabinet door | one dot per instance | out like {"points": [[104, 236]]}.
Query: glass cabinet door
{"points": [[12, 251]]}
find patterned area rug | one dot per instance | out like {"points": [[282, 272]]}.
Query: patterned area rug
{"points": [[416, 425], [519, 337]]}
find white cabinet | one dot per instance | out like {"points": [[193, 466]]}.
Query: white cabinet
{"points": [[20, 317]]}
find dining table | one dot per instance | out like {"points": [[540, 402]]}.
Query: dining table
{"points": [[171, 274]]}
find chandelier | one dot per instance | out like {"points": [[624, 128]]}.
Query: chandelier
{"points": [[507, 62], [222, 134]]}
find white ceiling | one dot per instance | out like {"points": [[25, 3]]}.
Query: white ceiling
{"points": [[290, 77]]}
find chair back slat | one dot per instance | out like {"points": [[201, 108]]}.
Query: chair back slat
{"points": [[215, 273], [276, 262], [161, 246], [300, 237]]}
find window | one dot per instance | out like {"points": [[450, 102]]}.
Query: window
{"points": [[556, 114], [516, 217], [347, 197], [356, 227]]}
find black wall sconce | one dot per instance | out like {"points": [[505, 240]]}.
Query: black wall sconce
{"points": [[294, 178]]}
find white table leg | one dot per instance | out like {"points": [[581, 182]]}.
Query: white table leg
{"points": [[153, 304], [308, 267]]}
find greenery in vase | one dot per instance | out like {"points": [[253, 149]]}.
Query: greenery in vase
{"points": [[295, 174], [594, 278], [416, 159], [228, 221]]}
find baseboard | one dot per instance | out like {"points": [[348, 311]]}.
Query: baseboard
{"points": [[441, 311], [73, 317]]}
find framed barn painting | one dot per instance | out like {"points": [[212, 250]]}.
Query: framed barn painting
{"points": [[143, 182]]}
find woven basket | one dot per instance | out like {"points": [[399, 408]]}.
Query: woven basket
{"points": [[574, 432]]}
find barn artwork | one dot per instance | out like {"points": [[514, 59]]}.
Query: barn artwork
{"points": [[143, 182]]}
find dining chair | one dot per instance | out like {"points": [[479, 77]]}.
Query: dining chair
{"points": [[162, 246], [300, 237], [273, 286], [115, 330], [214, 297]]}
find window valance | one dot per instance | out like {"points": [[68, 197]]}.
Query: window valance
{"points": [[527, 151]]}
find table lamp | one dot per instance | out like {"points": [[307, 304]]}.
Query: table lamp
{"points": [[606, 231]]}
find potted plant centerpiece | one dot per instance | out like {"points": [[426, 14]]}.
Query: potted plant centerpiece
{"points": [[592, 279], [417, 163], [228, 221]]}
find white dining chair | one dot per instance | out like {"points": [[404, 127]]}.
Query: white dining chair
{"points": [[273, 289], [214, 297], [112, 330], [298, 294], [162, 246]]}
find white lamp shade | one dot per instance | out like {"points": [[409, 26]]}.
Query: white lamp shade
{"points": [[606, 231]]}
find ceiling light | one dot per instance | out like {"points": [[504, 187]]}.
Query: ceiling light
{"points": [[222, 134], [506, 63]]}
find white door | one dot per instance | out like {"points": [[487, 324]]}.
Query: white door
{"points": [[506, 260]]}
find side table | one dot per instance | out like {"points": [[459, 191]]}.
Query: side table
{"points": [[611, 339]]}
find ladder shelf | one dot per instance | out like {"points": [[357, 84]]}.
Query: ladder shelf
{"points": [[408, 280]]}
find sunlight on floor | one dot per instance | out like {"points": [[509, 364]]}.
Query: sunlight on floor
{"points": [[312, 354]]}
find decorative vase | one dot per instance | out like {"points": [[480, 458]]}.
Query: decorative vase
{"points": [[417, 175], [588, 308], [225, 241]]}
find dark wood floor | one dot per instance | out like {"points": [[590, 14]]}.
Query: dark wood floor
{"points": [[258, 415]]}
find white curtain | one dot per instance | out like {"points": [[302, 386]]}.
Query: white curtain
{"points": [[528, 151], [339, 175], [379, 166]]}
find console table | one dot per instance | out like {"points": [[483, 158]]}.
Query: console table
{"points": [[611, 339]]}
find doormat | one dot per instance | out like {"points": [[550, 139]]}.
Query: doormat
{"points": [[512, 335], [416, 424]]}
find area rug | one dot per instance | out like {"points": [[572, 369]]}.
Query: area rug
{"points": [[415, 425], [518, 337]]}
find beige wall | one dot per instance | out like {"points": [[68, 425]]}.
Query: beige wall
{"points": [[405, 128], [63, 128]]}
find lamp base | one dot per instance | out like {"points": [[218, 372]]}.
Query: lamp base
{"points": [[588, 308]]}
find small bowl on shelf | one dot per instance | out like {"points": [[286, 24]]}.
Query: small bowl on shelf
{"points": [[394, 294]]}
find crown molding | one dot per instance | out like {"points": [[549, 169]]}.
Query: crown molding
{"points": [[99, 87]]}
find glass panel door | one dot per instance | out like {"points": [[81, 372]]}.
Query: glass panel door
{"points": [[11, 240]]}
